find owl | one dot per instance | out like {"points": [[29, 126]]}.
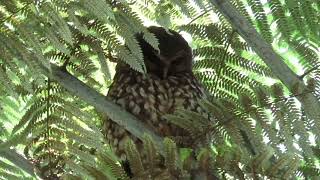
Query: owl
{"points": [[168, 85]]}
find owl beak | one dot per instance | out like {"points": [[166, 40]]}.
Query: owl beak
{"points": [[166, 65], [165, 72], [167, 62]]}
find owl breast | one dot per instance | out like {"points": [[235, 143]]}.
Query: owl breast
{"points": [[149, 98]]}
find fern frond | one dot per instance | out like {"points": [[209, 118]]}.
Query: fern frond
{"points": [[18, 138], [309, 170], [77, 169], [184, 123], [295, 14], [56, 42], [113, 44], [134, 159], [83, 139], [310, 17], [85, 157], [241, 7], [6, 82], [232, 59], [200, 4], [293, 166], [57, 23], [151, 152], [170, 154], [85, 68], [110, 162], [94, 172], [100, 9], [33, 41], [283, 161], [31, 115], [78, 22], [260, 162], [131, 43], [213, 32], [308, 55], [228, 159], [184, 9], [261, 19], [17, 50], [278, 13], [240, 77]]}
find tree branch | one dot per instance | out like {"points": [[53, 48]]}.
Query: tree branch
{"points": [[114, 112], [17, 159], [274, 61]]}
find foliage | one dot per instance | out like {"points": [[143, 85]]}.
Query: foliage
{"points": [[261, 131]]}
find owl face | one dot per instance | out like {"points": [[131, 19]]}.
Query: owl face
{"points": [[175, 55]]}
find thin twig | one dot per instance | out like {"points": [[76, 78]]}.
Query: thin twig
{"points": [[47, 135], [309, 71], [200, 15], [13, 14]]}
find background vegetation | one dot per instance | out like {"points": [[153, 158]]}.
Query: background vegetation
{"points": [[267, 104]]}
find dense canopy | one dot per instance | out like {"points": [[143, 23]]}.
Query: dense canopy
{"points": [[259, 61]]}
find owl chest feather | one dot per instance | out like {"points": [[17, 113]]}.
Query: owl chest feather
{"points": [[149, 99]]}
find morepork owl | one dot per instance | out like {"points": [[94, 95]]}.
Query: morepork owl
{"points": [[168, 85]]}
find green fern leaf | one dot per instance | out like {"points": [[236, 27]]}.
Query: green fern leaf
{"points": [[170, 154], [134, 159]]}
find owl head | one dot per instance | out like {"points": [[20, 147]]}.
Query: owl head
{"points": [[175, 54]]}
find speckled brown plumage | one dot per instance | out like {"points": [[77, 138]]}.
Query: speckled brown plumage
{"points": [[169, 84]]}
